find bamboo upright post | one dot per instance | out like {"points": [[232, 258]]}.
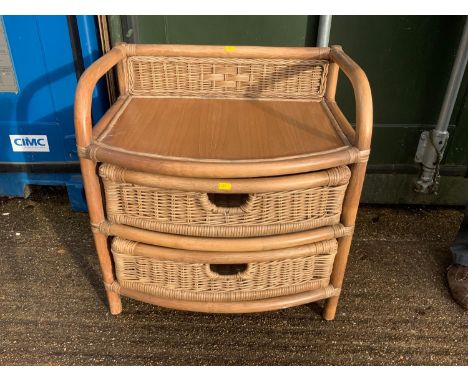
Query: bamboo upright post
{"points": [[363, 100], [83, 126]]}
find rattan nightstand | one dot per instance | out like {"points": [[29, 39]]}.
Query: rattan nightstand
{"points": [[227, 177]]}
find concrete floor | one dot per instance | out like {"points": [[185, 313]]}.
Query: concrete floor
{"points": [[395, 308]]}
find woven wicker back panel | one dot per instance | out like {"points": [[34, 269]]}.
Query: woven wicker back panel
{"points": [[226, 77], [194, 214], [197, 282]]}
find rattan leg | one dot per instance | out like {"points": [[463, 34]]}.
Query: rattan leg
{"points": [[339, 268], [115, 304], [330, 308], [104, 256], [96, 216], [348, 218]]}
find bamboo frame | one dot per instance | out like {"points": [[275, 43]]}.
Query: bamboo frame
{"points": [[334, 176], [357, 154], [208, 244], [219, 169], [226, 51], [362, 140], [191, 256], [253, 306], [362, 95]]}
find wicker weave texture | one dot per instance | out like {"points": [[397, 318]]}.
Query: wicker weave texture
{"points": [[194, 214], [226, 77], [198, 282]]}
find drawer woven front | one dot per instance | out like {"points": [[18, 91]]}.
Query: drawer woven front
{"points": [[196, 214], [226, 77], [198, 282]]}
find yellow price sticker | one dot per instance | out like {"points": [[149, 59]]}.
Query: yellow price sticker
{"points": [[229, 48], [224, 186]]}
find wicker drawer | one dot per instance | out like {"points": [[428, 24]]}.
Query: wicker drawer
{"points": [[224, 208], [202, 276]]}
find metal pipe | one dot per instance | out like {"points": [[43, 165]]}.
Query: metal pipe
{"points": [[432, 144], [456, 77], [323, 35]]}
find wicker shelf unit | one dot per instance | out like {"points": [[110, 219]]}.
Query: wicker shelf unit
{"points": [[228, 177]]}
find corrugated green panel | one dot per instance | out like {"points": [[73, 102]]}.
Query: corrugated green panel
{"points": [[228, 30]]}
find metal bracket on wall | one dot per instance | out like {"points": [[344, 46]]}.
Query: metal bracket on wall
{"points": [[429, 154], [432, 144]]}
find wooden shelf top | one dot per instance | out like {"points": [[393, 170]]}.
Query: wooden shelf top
{"points": [[220, 130]]}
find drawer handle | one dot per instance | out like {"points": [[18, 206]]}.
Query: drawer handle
{"points": [[229, 271], [232, 204]]}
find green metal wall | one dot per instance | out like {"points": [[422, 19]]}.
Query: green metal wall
{"points": [[228, 30], [407, 59], [408, 62]]}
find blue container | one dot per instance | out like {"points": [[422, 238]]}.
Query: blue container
{"points": [[37, 138]]}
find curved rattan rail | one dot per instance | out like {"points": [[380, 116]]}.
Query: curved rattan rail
{"points": [[254, 306], [191, 256], [220, 169], [331, 177], [224, 244]]}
